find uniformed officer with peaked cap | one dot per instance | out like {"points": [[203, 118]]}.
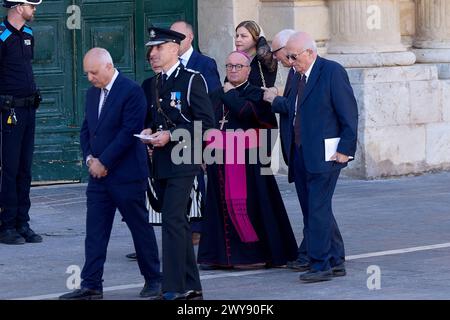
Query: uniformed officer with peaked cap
{"points": [[177, 97], [12, 3]]}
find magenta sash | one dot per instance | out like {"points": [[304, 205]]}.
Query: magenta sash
{"points": [[236, 186]]}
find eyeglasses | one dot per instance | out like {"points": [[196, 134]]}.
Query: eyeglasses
{"points": [[237, 67], [275, 51], [294, 55]]}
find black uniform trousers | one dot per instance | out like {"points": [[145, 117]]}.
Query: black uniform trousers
{"points": [[180, 272], [102, 201], [17, 146]]}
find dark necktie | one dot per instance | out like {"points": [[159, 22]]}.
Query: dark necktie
{"points": [[105, 95], [301, 89], [163, 80], [289, 80]]}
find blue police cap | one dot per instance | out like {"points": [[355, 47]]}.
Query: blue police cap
{"points": [[160, 35], [12, 3]]}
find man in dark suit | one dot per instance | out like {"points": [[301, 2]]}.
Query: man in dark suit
{"points": [[283, 103], [178, 98], [192, 59], [117, 161], [323, 106], [271, 94]]}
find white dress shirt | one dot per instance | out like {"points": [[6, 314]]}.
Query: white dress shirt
{"points": [[186, 56]]}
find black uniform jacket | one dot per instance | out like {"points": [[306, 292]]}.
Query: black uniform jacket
{"points": [[182, 99]]}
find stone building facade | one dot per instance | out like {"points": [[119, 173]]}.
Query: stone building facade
{"points": [[397, 54]]}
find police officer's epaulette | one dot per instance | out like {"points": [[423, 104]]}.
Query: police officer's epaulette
{"points": [[4, 32], [27, 29], [190, 70]]}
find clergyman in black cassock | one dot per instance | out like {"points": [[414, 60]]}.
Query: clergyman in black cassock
{"points": [[247, 222]]}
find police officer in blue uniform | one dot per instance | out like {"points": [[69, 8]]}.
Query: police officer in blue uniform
{"points": [[19, 100], [177, 97]]}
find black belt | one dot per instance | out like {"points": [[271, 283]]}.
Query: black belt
{"points": [[27, 102], [8, 102]]}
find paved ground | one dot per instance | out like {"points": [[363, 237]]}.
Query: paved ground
{"points": [[398, 227]]}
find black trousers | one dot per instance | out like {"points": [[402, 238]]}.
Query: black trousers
{"points": [[180, 272], [17, 146]]}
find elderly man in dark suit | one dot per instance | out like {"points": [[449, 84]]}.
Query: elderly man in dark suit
{"points": [[321, 107], [117, 161], [283, 103], [271, 94]]}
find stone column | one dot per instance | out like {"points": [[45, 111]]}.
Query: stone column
{"points": [[366, 33], [302, 15], [432, 41], [407, 21]]}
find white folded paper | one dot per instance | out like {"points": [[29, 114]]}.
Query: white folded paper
{"points": [[331, 148], [144, 136]]}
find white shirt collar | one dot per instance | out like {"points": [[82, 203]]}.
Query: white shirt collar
{"points": [[110, 84], [186, 56], [308, 72], [171, 70]]}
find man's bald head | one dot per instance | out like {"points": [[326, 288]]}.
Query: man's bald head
{"points": [[100, 55], [186, 29], [281, 38], [279, 44], [304, 40], [99, 67], [302, 50]]}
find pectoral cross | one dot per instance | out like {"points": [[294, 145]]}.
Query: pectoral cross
{"points": [[222, 122]]}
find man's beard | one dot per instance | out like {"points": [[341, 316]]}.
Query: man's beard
{"points": [[30, 18]]}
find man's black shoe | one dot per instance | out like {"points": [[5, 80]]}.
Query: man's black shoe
{"points": [[29, 235], [339, 270], [316, 276], [150, 290], [11, 236], [82, 294], [194, 295], [132, 256], [298, 266], [214, 267], [170, 296]]}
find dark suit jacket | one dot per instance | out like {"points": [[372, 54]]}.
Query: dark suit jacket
{"points": [[327, 110], [110, 137], [282, 104], [207, 67]]}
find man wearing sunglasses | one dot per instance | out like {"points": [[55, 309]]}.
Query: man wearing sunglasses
{"points": [[271, 94], [322, 106], [282, 105], [19, 99]]}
